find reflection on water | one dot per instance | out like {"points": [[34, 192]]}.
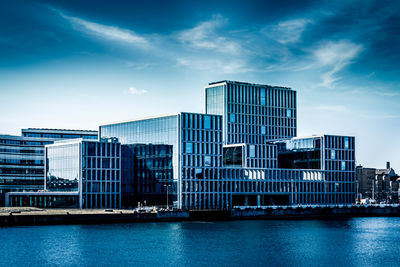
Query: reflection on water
{"points": [[357, 241]]}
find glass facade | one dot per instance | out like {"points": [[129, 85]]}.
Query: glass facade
{"points": [[90, 168], [63, 168], [22, 158], [215, 100], [147, 175]]}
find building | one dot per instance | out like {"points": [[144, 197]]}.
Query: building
{"points": [[378, 185], [151, 165], [195, 142], [80, 173], [22, 158], [335, 155], [243, 152]]}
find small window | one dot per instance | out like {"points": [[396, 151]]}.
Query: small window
{"points": [[233, 118], [263, 130], [189, 148], [207, 161], [207, 122], [289, 113], [343, 165], [252, 151], [333, 154], [346, 143]]}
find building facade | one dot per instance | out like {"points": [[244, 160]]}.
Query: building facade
{"points": [[22, 158], [243, 151], [378, 185], [90, 168]]}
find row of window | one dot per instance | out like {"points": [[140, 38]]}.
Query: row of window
{"points": [[21, 151], [21, 162], [59, 136], [258, 95], [201, 121], [202, 136], [100, 163]]}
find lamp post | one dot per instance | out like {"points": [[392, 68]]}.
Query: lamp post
{"points": [[167, 186]]}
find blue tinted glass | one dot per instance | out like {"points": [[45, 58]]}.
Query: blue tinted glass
{"points": [[289, 113], [262, 96], [232, 118], [333, 154], [346, 143], [207, 122], [189, 148]]}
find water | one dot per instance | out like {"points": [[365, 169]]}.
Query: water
{"points": [[344, 242]]}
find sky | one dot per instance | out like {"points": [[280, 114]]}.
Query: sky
{"points": [[79, 64]]}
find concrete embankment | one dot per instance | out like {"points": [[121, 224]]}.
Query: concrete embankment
{"points": [[35, 216], [316, 212]]}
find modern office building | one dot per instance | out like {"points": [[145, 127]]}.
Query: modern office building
{"points": [[243, 151], [22, 157], [334, 155], [80, 173], [195, 140], [147, 175]]}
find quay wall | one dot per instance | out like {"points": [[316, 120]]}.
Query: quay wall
{"points": [[60, 216]]}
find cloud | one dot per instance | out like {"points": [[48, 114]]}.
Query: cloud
{"points": [[333, 108], [205, 36], [286, 32], [105, 31], [215, 65], [135, 91], [336, 56]]}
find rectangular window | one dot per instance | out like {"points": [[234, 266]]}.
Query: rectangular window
{"points": [[189, 148], [262, 96], [232, 118], [263, 130], [207, 122], [289, 113], [343, 165], [207, 161], [346, 143], [333, 154], [252, 150]]}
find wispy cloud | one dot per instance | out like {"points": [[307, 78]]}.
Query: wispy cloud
{"points": [[106, 31], [205, 36], [286, 32], [135, 91], [335, 55]]}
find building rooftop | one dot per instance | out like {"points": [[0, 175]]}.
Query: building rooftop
{"points": [[45, 130], [251, 84]]}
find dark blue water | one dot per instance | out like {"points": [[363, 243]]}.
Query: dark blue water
{"points": [[346, 242]]}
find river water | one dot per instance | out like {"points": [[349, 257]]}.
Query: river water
{"points": [[334, 242]]}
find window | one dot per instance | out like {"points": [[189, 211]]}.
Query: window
{"points": [[262, 98], [343, 165], [346, 143], [289, 113], [333, 154], [263, 131], [232, 118], [189, 148], [252, 151], [207, 161], [207, 122]]}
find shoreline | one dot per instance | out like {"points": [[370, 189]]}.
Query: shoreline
{"points": [[35, 216]]}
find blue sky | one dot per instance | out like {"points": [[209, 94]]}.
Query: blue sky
{"points": [[77, 64]]}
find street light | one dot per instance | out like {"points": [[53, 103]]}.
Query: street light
{"points": [[167, 186]]}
